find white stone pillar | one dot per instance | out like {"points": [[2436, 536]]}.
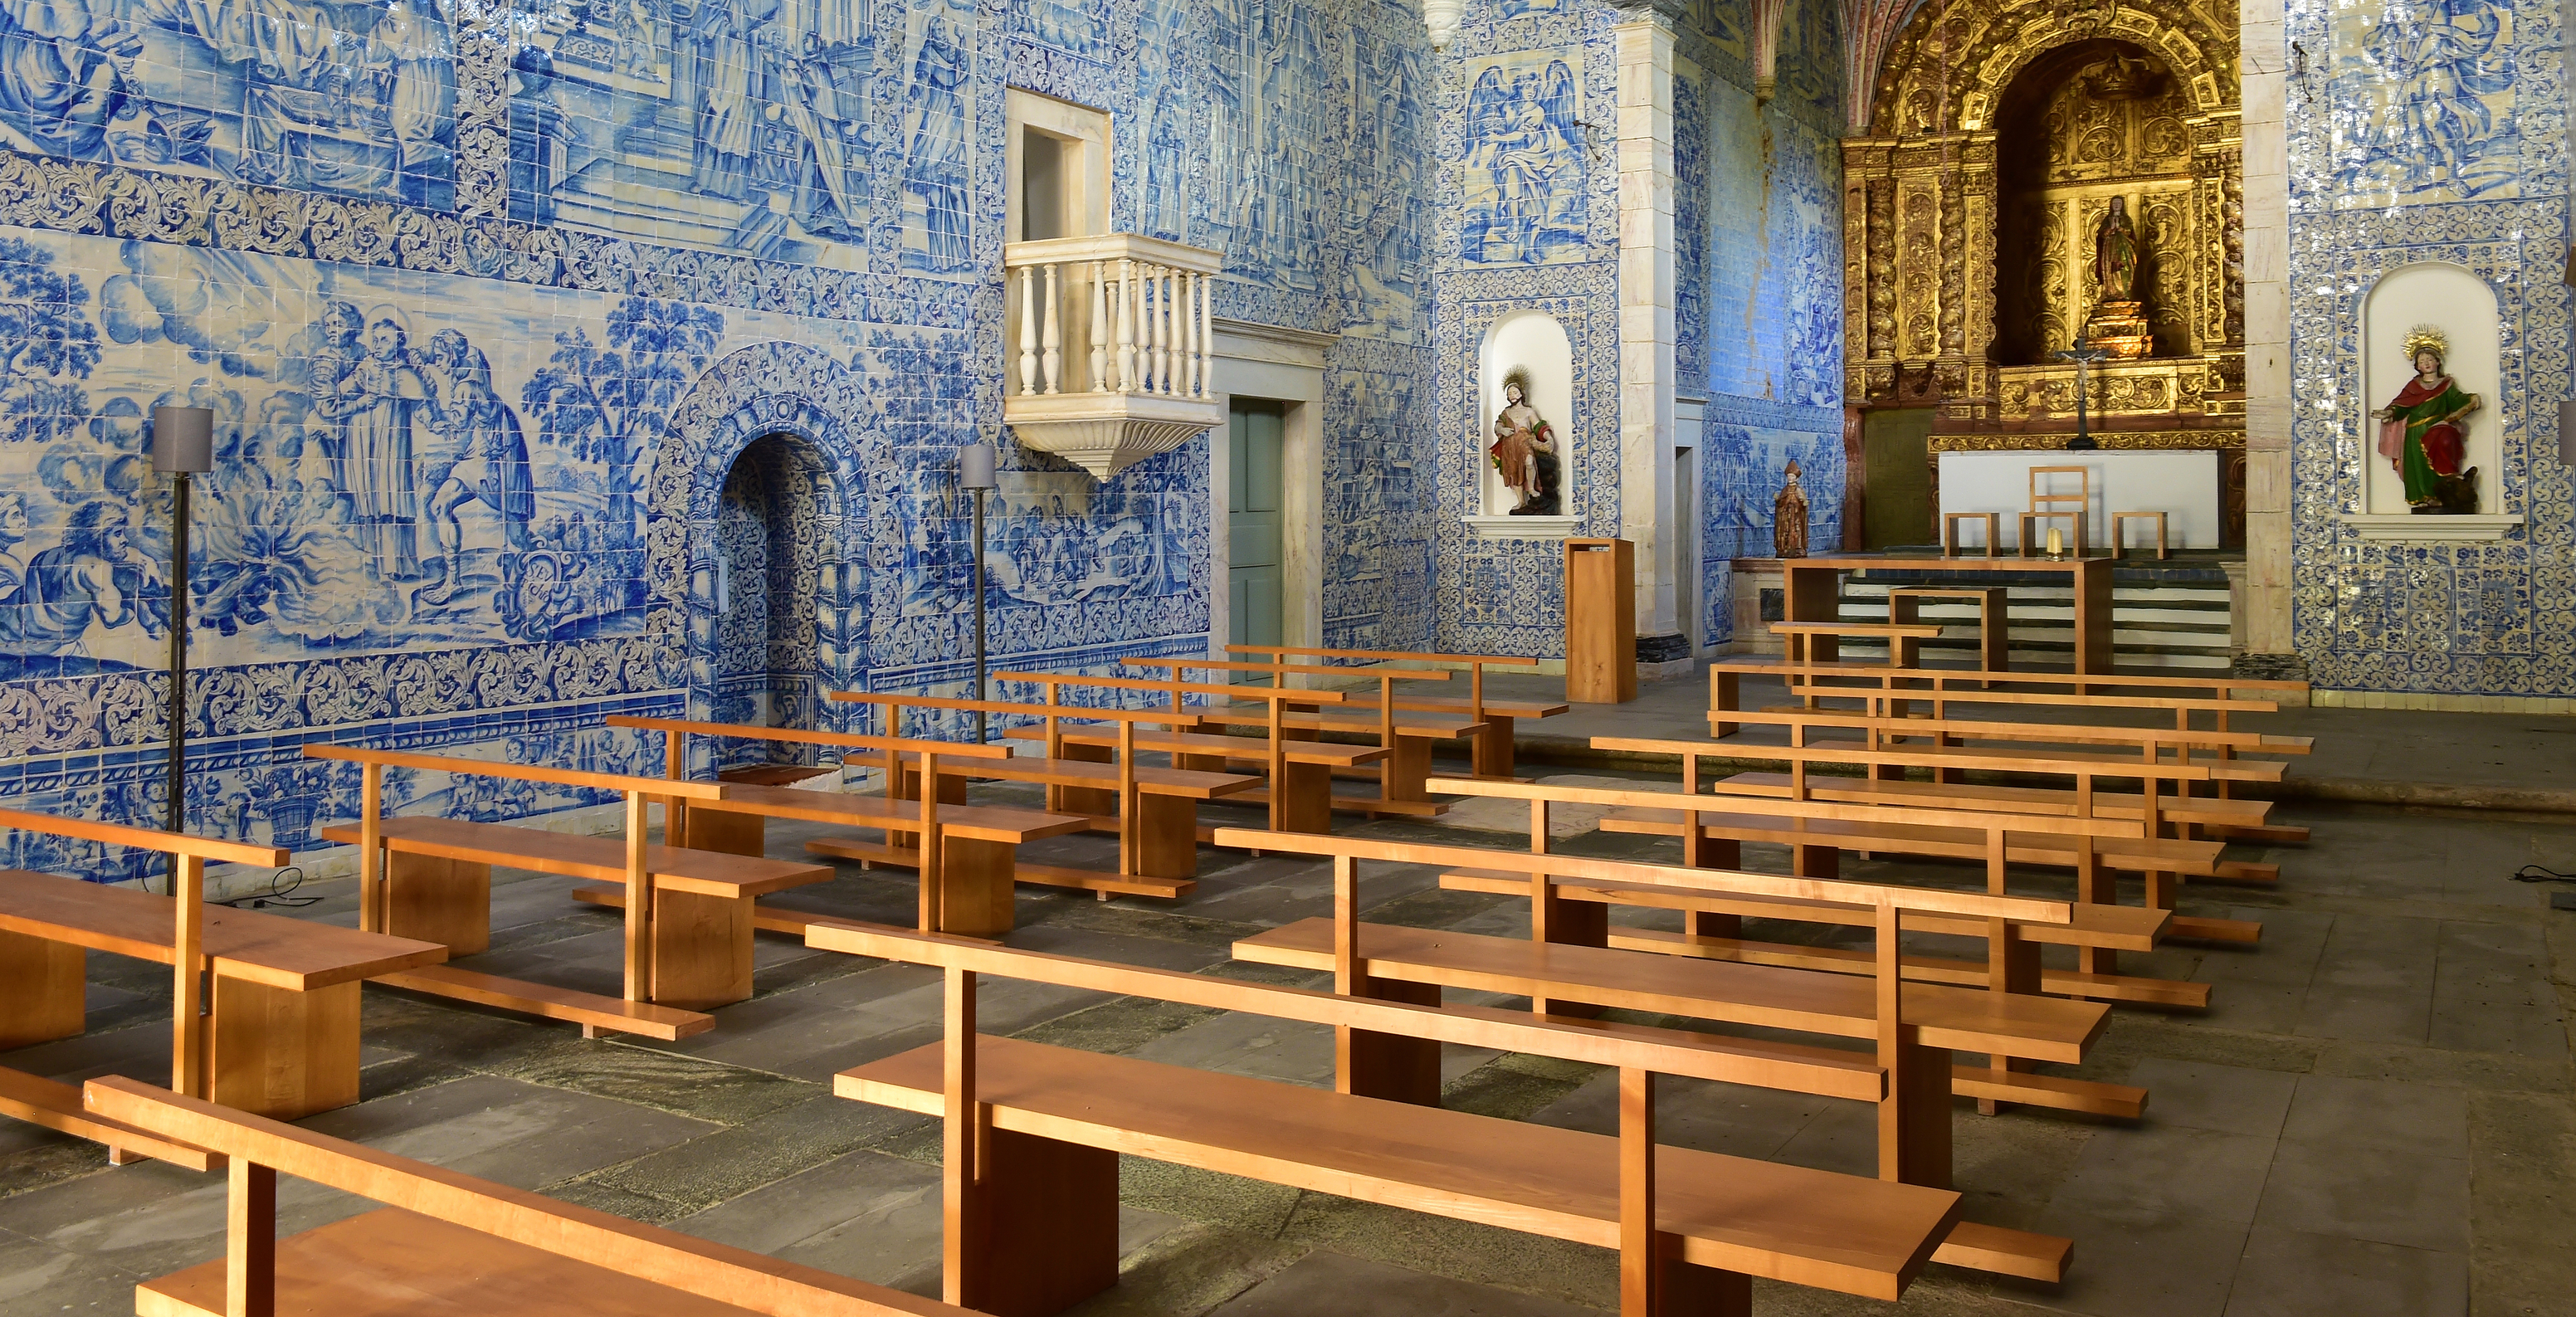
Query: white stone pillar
{"points": [[2266, 605], [1647, 277]]}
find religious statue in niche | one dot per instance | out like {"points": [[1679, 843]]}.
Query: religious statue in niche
{"points": [[2118, 325], [1525, 452], [1789, 516], [2423, 431]]}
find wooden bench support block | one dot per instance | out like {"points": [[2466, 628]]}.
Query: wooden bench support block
{"points": [[1493, 748], [1041, 1227], [439, 900], [1914, 1125], [281, 1054], [730, 831], [975, 896], [43, 988], [1306, 800], [1385, 1065], [2005, 1252], [1166, 840], [1091, 800], [594, 1013], [701, 950], [2215, 930], [2263, 834], [2091, 1097], [2246, 871]]}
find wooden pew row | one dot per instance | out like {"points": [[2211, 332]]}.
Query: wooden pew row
{"points": [[688, 922], [1568, 965], [1025, 1121], [265, 1009], [1407, 735], [1299, 768], [1153, 811], [448, 1245], [1493, 748]]}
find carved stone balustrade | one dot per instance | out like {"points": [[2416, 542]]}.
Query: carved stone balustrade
{"points": [[1106, 347]]}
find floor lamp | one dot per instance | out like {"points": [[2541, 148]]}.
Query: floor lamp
{"points": [[975, 472], [183, 445]]}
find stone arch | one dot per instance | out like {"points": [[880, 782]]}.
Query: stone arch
{"points": [[810, 403], [1998, 44]]}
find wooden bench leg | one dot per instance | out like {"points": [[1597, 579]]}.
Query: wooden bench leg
{"points": [[1727, 698], [1396, 1067], [1494, 747], [279, 1053], [444, 901], [701, 949], [1716, 852], [43, 985], [1574, 924], [1407, 769], [1090, 800], [728, 831], [1690, 1290], [1042, 1228], [1914, 1121], [1166, 835], [2094, 885], [975, 892], [1305, 793], [2012, 965], [1816, 861], [952, 791]]}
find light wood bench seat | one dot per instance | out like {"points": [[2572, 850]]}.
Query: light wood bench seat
{"points": [[1731, 1214], [2199, 811], [282, 1027], [2107, 927], [1740, 819], [1305, 806], [449, 1245], [438, 876]]}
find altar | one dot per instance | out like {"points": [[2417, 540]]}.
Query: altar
{"points": [[2184, 484]]}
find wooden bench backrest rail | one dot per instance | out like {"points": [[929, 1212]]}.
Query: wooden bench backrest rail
{"points": [[375, 894], [1873, 672], [2215, 696], [2152, 740], [258, 1150], [1719, 801], [1279, 700], [188, 856], [1386, 679], [1475, 664], [967, 1119], [675, 760], [2151, 776]]}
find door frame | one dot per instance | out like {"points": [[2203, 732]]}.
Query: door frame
{"points": [[1285, 367]]}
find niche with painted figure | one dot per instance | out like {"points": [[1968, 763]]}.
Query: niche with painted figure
{"points": [[2445, 307], [1524, 427]]}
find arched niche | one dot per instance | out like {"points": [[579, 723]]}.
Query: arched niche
{"points": [[2456, 301], [1536, 342]]}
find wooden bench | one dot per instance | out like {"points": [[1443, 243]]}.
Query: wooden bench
{"points": [[1153, 811], [1904, 639], [976, 854], [1407, 734], [1300, 770], [1493, 748], [1994, 620], [1565, 966], [1033, 1134], [265, 1008], [448, 1245], [433, 877]]}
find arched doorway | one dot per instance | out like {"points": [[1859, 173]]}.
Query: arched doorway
{"points": [[766, 659]]}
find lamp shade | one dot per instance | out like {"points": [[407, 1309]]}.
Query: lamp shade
{"points": [[975, 467], [183, 439]]}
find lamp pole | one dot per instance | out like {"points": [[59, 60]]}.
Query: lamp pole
{"points": [[183, 445], [975, 464]]}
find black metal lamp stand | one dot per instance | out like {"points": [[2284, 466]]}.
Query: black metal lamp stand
{"points": [[183, 445]]}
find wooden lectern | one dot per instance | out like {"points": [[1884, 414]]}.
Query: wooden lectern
{"points": [[1600, 621]]}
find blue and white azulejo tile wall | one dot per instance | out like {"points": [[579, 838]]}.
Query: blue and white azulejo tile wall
{"points": [[2430, 132]]}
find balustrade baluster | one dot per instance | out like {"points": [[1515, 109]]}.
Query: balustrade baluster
{"points": [[1054, 334], [1028, 330], [1126, 325], [1162, 277], [1099, 327], [1207, 333]]}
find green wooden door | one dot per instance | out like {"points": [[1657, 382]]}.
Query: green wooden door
{"points": [[1254, 581]]}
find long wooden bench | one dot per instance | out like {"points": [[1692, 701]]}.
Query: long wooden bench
{"points": [[448, 1245], [1406, 733], [1152, 810], [975, 854], [1904, 639], [1026, 1121], [433, 877], [1299, 769], [1493, 747], [264, 1009]]}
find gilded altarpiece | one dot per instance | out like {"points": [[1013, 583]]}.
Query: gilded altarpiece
{"points": [[1999, 138]]}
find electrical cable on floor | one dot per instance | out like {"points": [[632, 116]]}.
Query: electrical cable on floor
{"points": [[2533, 873], [276, 895]]}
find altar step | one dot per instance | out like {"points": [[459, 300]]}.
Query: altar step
{"points": [[2174, 623]]}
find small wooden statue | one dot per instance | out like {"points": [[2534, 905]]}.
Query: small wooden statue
{"points": [[1789, 516]]}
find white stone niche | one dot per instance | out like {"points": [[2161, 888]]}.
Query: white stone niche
{"points": [[2456, 301], [1529, 341]]}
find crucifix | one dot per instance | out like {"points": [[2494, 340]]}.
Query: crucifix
{"points": [[2083, 357]]}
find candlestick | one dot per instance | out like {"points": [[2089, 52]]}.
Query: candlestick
{"points": [[2056, 542]]}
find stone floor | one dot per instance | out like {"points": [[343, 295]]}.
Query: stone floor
{"points": [[2373, 1118]]}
